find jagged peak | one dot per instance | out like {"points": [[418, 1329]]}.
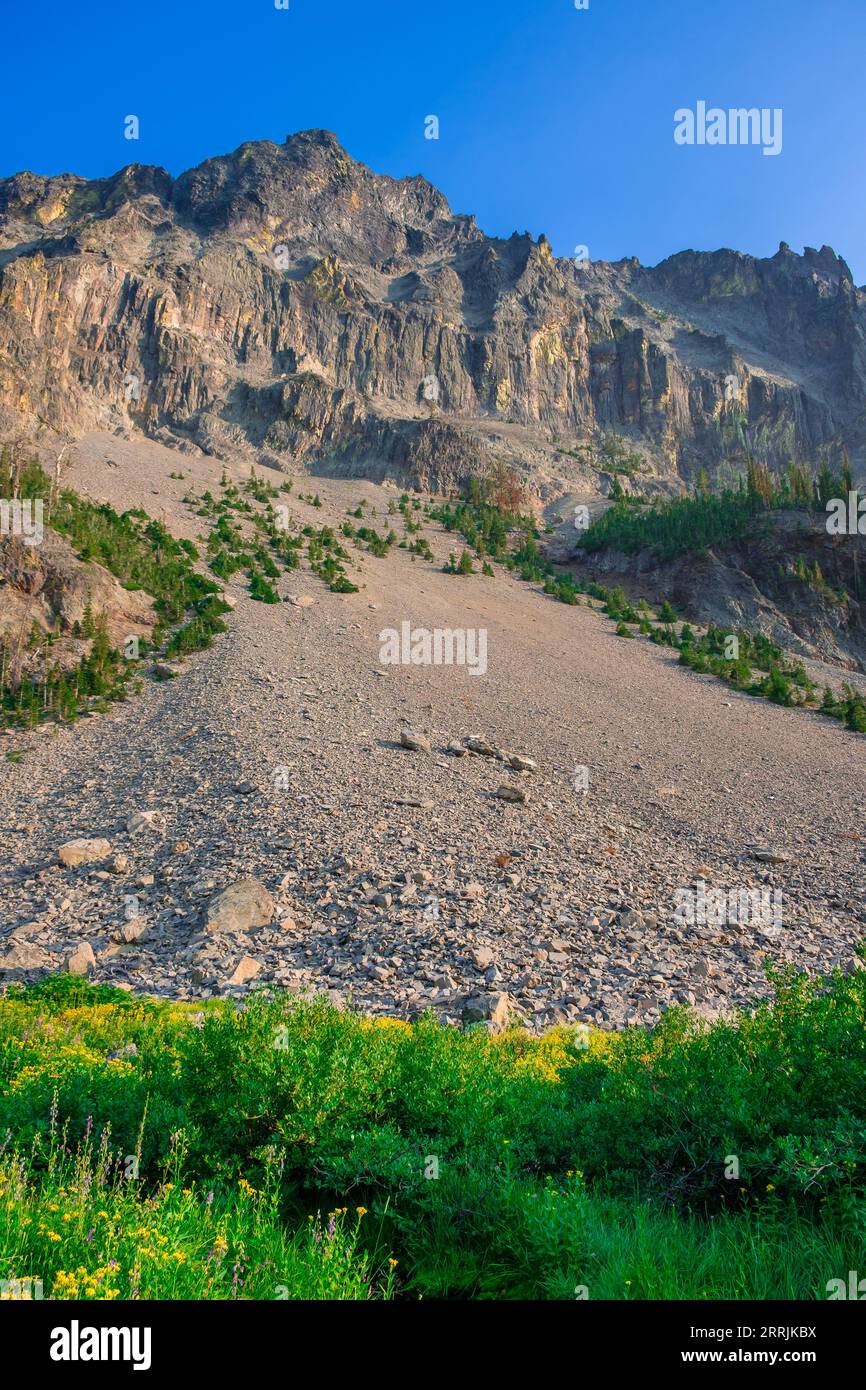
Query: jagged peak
{"points": [[825, 262], [261, 178], [320, 139]]}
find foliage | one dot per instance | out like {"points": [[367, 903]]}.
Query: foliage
{"points": [[684, 524], [511, 1166], [142, 555]]}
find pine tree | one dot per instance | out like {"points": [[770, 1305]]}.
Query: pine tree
{"points": [[760, 482], [825, 485]]}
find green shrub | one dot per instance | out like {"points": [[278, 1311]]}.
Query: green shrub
{"points": [[507, 1166]]}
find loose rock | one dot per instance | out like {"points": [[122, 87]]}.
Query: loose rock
{"points": [[82, 960], [506, 792], [416, 742], [76, 852]]}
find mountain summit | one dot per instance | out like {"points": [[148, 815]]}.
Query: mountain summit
{"points": [[285, 302]]}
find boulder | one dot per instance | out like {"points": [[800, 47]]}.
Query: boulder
{"points": [[507, 792], [76, 852], [140, 821], [416, 742], [24, 956], [496, 1011], [82, 960], [246, 969], [241, 907]]}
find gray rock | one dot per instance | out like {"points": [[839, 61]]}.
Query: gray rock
{"points": [[24, 956], [76, 852], [414, 741], [496, 1010], [770, 856], [141, 821], [246, 969], [508, 792], [241, 907], [521, 764], [483, 957], [135, 930], [82, 960], [481, 747], [628, 918]]}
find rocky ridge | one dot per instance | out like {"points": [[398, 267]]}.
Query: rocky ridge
{"points": [[286, 303]]}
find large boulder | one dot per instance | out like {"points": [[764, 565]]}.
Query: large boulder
{"points": [[495, 1011], [241, 907]]}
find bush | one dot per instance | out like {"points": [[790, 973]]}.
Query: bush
{"points": [[509, 1166], [261, 590]]}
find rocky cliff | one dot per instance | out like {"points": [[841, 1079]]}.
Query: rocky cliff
{"points": [[286, 302], [45, 594]]}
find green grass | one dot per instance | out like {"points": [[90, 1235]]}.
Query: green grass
{"points": [[88, 1232], [325, 1146]]}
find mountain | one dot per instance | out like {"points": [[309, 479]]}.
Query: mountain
{"points": [[286, 303]]}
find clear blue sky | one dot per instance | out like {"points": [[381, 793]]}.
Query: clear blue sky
{"points": [[552, 119]]}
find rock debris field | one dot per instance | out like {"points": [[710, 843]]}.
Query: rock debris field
{"points": [[291, 811]]}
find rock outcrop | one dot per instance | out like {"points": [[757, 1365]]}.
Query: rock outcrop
{"points": [[45, 594]]}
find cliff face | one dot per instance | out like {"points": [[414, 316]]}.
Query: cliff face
{"points": [[287, 302]]}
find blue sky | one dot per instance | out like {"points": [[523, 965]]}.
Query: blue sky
{"points": [[552, 119]]}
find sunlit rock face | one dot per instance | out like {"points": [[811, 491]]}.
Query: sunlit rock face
{"points": [[287, 301]]}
